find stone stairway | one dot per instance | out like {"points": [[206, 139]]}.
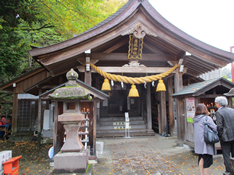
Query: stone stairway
{"points": [[115, 127]]}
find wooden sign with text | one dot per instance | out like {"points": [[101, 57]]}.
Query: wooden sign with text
{"points": [[135, 47]]}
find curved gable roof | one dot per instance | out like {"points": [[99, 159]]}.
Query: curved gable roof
{"points": [[115, 19], [202, 54]]}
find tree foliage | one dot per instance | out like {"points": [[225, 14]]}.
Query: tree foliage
{"points": [[24, 23], [226, 73], [73, 17], [44, 22]]}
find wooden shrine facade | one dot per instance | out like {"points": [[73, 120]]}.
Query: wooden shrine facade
{"points": [[163, 46]]}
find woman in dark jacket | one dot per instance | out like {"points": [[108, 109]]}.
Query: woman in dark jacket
{"points": [[205, 151]]}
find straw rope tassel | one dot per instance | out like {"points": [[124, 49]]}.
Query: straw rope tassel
{"points": [[133, 80]]}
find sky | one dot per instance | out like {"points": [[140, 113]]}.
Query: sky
{"points": [[210, 21]]}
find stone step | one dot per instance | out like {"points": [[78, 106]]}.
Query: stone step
{"points": [[122, 134], [113, 127], [120, 130], [111, 123], [138, 118]]}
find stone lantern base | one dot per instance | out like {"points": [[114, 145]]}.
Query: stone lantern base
{"points": [[71, 162]]}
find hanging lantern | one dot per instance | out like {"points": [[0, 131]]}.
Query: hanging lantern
{"points": [[133, 91], [161, 86], [106, 85]]}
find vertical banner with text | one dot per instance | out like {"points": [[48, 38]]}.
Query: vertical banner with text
{"points": [[190, 106]]}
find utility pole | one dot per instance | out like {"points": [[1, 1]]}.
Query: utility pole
{"points": [[232, 69]]}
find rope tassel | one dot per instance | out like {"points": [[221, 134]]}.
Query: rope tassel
{"points": [[106, 85], [133, 91], [161, 86]]}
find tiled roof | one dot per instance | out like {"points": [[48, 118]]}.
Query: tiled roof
{"points": [[193, 88], [79, 82]]}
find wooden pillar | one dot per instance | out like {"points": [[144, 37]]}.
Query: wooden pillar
{"points": [[94, 126], [14, 112], [159, 119], [178, 83], [163, 112], [39, 120], [56, 147], [98, 114], [149, 113], [170, 105], [88, 77], [230, 102]]}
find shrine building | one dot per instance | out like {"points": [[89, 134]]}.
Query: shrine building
{"points": [[130, 56]]}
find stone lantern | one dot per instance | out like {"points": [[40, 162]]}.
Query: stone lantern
{"points": [[72, 157]]}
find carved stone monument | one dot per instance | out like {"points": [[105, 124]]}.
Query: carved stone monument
{"points": [[72, 158]]}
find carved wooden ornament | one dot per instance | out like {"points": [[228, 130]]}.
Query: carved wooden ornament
{"points": [[139, 31]]}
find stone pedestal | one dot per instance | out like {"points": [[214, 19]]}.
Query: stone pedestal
{"points": [[72, 143], [71, 122], [71, 162]]}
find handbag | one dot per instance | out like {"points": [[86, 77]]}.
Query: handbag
{"points": [[210, 136]]}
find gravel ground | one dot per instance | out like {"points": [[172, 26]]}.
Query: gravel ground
{"points": [[34, 160], [154, 155]]}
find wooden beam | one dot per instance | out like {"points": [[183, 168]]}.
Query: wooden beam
{"points": [[48, 86], [204, 64], [124, 57], [191, 68], [116, 46], [152, 47], [109, 57], [128, 69], [180, 55], [172, 63], [165, 46]]}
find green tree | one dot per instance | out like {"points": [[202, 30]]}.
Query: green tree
{"points": [[73, 17], [12, 47], [226, 72], [44, 22]]}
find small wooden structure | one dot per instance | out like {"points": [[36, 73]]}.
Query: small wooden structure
{"points": [[203, 92]]}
